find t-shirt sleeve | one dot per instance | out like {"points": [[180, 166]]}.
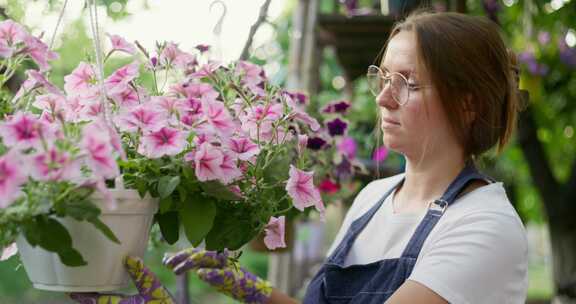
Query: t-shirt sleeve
{"points": [[481, 258]]}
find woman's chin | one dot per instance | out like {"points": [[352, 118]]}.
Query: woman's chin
{"points": [[392, 144]]}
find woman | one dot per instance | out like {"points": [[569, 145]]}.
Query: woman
{"points": [[440, 232]]}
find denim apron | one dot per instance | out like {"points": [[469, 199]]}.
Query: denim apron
{"points": [[376, 282]]}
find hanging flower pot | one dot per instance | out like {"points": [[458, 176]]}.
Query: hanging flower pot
{"points": [[130, 222]]}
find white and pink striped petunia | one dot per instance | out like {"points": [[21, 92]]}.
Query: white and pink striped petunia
{"points": [[165, 141], [97, 144], [275, 232], [11, 178], [207, 162], [301, 189]]}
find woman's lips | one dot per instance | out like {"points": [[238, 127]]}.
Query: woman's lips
{"points": [[390, 121]]}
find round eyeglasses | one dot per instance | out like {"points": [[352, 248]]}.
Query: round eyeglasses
{"points": [[399, 86]]}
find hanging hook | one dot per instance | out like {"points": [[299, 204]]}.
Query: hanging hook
{"points": [[218, 27]]}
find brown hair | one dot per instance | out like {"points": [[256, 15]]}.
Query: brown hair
{"points": [[465, 59]]}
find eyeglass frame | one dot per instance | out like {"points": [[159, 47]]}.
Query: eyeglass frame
{"points": [[388, 77]]}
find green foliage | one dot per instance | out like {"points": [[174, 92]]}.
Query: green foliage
{"points": [[52, 236], [197, 217]]}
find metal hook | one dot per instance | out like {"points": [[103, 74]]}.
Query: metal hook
{"points": [[218, 27]]}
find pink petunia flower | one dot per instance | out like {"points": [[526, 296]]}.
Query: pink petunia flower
{"points": [[11, 33], [165, 141], [192, 111], [230, 171], [54, 165], [207, 162], [91, 109], [218, 117], [302, 143], [252, 76], [5, 50], [140, 118], [380, 154], [97, 143], [301, 189], [35, 80], [82, 82], [127, 97], [8, 252], [51, 103], [207, 69], [258, 122], [23, 131], [195, 90], [39, 52], [274, 233], [169, 53], [244, 148], [11, 178], [119, 80], [170, 107], [347, 146], [299, 114], [186, 62], [120, 44]]}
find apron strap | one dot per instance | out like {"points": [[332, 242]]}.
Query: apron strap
{"points": [[437, 208], [339, 254]]}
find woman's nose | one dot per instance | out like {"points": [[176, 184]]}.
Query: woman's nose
{"points": [[385, 99]]}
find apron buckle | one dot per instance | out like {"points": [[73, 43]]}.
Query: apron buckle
{"points": [[438, 205]]}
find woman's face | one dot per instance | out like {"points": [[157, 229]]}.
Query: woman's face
{"points": [[419, 126]]}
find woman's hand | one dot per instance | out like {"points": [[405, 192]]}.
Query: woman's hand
{"points": [[150, 291], [222, 272]]}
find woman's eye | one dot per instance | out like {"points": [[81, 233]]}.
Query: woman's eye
{"points": [[413, 86]]}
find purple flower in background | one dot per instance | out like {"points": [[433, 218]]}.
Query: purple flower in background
{"points": [[344, 169], [316, 143], [529, 60], [347, 147], [337, 127], [543, 37], [351, 5], [337, 107], [298, 97], [491, 6]]}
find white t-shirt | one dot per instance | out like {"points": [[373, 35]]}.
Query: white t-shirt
{"points": [[477, 253]]}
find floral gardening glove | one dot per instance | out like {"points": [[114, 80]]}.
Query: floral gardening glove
{"points": [[222, 272], [150, 291]]}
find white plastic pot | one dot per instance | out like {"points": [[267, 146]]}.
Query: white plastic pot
{"points": [[130, 222]]}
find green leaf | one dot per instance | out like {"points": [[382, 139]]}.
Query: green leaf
{"points": [[80, 209], [104, 229], [219, 191], [165, 204], [277, 169], [169, 226], [232, 229], [71, 258], [52, 236], [167, 184], [142, 187], [197, 216]]}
